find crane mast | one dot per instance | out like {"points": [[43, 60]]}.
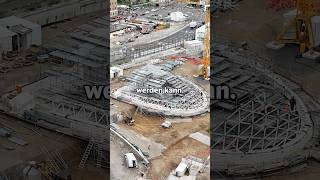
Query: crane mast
{"points": [[302, 24], [206, 51]]}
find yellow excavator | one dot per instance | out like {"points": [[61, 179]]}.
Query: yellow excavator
{"points": [[129, 117]]}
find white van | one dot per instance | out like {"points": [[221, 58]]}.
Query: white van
{"points": [[181, 169], [131, 160]]}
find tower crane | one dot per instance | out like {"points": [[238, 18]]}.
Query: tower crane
{"points": [[206, 51], [204, 68], [302, 24]]}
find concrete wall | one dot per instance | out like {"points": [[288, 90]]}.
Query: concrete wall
{"points": [[64, 11], [5, 44], [33, 37], [36, 36]]}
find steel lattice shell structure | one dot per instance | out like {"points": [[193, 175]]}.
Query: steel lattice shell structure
{"points": [[261, 135]]}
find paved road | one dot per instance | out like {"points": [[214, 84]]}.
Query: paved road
{"points": [[172, 41], [195, 14], [177, 36]]}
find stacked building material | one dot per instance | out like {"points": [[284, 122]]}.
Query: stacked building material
{"points": [[194, 47], [177, 16]]}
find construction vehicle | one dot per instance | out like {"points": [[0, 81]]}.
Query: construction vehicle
{"points": [[193, 24], [145, 29], [301, 23], [166, 124], [129, 117], [163, 25]]}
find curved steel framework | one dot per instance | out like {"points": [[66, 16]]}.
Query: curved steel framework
{"points": [[257, 126]]}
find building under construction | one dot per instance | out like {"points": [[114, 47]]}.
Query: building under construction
{"points": [[53, 98], [66, 130], [267, 126]]}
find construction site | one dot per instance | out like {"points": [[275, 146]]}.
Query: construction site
{"points": [[54, 62], [160, 92], [266, 52], [174, 105], [49, 128]]}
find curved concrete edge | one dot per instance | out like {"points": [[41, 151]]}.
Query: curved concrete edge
{"points": [[274, 159], [156, 39], [163, 37]]}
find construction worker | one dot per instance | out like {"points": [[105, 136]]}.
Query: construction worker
{"points": [[292, 103], [286, 107], [302, 38]]}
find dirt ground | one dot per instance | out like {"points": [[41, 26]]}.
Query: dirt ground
{"points": [[149, 126], [176, 140], [171, 158]]}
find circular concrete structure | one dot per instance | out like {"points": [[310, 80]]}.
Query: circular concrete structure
{"points": [[261, 134]]}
